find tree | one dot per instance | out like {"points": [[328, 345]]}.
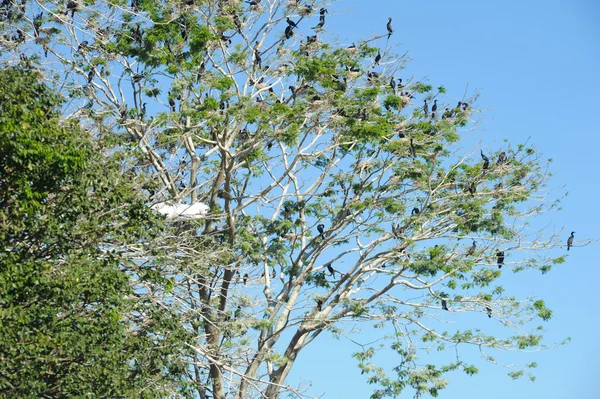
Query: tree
{"points": [[336, 191], [71, 320]]}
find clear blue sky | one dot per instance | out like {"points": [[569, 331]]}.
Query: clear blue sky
{"points": [[536, 65]]}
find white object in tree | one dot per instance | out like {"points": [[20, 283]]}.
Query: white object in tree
{"points": [[186, 211]]}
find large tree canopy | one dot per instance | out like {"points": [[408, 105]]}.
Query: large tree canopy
{"points": [[336, 185], [72, 323]]}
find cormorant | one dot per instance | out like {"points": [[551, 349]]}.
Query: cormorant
{"points": [[82, 45], [413, 151], [472, 249], [245, 278], [90, 76], [137, 78], [447, 114], [321, 230], [37, 23], [396, 230], [502, 158], [500, 256], [425, 108], [389, 27], [323, 11], [570, 241], [486, 160], [489, 311], [320, 24], [71, 6], [289, 31], [434, 107], [291, 23], [377, 58], [415, 211], [172, 104], [472, 189], [393, 84], [444, 304], [319, 304], [372, 76], [257, 59], [331, 269]]}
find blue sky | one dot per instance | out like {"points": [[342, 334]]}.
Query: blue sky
{"points": [[535, 65]]}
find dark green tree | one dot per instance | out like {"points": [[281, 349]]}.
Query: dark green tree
{"points": [[73, 323], [279, 131]]}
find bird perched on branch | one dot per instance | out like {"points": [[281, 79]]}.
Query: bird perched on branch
{"points": [[489, 311], [321, 230], [486, 160], [472, 249], [319, 303], [444, 304], [570, 240], [378, 58], [389, 27], [500, 260], [331, 270]]}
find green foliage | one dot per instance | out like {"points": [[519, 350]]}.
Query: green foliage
{"points": [[68, 324]]}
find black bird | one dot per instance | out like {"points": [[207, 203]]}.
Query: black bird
{"points": [[245, 278], [135, 4], [377, 58], [238, 312], [319, 304], [257, 59], [444, 304], [331, 270], [172, 104], [447, 114], [472, 249], [143, 111], [500, 256], [434, 107], [90, 76], [502, 158], [393, 84], [472, 189], [321, 23], [425, 108], [415, 211], [37, 23], [413, 151], [389, 27], [489, 311], [71, 6], [273, 274], [82, 45], [486, 160], [570, 241], [291, 23], [321, 230], [137, 78], [323, 11], [289, 31], [372, 76]]}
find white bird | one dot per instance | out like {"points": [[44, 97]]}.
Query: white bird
{"points": [[180, 210]]}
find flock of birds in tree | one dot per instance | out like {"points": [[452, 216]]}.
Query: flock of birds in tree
{"points": [[72, 8]]}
